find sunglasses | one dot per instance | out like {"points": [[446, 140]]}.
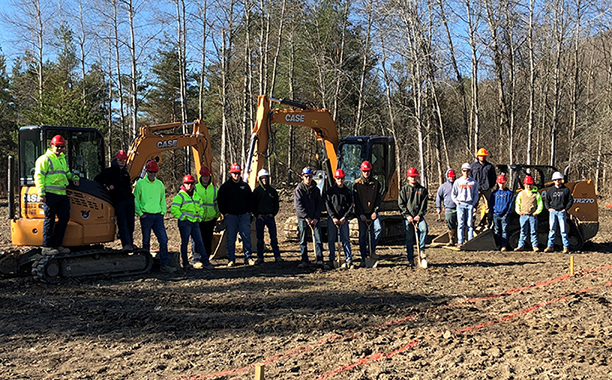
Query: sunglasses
{"points": [[307, 176], [148, 171], [60, 146]]}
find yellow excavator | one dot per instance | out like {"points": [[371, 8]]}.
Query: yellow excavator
{"points": [[347, 153], [92, 214]]}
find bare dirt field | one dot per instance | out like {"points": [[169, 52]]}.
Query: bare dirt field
{"points": [[484, 315]]}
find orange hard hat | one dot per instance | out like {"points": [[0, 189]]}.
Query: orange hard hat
{"points": [[188, 179], [501, 178], [482, 152], [152, 166], [235, 168], [204, 171], [412, 172], [121, 155], [365, 166], [58, 140], [528, 180], [339, 174]]}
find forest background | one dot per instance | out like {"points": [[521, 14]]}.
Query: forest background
{"points": [[531, 80]]}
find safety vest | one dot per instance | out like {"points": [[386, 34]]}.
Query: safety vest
{"points": [[52, 174], [185, 207], [208, 196]]}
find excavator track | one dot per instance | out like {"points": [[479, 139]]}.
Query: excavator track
{"points": [[89, 263]]}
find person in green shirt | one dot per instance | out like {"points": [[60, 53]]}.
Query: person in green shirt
{"points": [[150, 205]]}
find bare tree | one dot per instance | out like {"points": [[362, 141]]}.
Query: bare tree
{"points": [[369, 11]]}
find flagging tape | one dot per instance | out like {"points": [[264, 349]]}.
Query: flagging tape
{"points": [[379, 356]]}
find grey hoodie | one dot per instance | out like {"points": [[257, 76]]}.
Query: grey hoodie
{"points": [[445, 192], [465, 191]]}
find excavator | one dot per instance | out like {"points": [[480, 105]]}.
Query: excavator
{"points": [[92, 214], [347, 153], [583, 216]]}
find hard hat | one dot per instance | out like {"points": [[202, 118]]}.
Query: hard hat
{"points": [[263, 173], [412, 172], [58, 140], [152, 166], [482, 152], [451, 174], [204, 171], [466, 166], [188, 179], [501, 178], [365, 166], [339, 174], [307, 171], [235, 168], [528, 180], [121, 155], [557, 175]]}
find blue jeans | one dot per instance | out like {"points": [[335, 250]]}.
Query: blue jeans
{"points": [[450, 214], [238, 224], [155, 222], [529, 224], [561, 218], [465, 213], [191, 230], [124, 212], [332, 235], [266, 221], [302, 229], [423, 230], [363, 236], [500, 224], [56, 205]]}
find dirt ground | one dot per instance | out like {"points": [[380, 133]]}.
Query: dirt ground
{"points": [[482, 315]]}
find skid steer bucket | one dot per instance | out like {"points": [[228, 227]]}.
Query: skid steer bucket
{"points": [[484, 241], [219, 247]]}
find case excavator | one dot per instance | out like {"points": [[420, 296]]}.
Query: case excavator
{"points": [[92, 214]]}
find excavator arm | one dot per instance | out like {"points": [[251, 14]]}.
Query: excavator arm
{"points": [[152, 142], [320, 121]]}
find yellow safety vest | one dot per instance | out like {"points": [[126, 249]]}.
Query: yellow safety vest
{"points": [[185, 207], [208, 196], [52, 174]]}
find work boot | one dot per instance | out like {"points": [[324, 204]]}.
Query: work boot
{"points": [[549, 249], [63, 250], [347, 265], [259, 261], [503, 249], [278, 260], [128, 248], [536, 249], [198, 265], [167, 269], [250, 262], [231, 263], [519, 249], [452, 238], [320, 263], [208, 266], [48, 251], [304, 264], [565, 250], [187, 267], [362, 264]]}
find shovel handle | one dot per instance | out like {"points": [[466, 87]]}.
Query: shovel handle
{"points": [[416, 238]]}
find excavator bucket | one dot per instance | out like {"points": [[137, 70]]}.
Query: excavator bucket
{"points": [[484, 241], [219, 246]]}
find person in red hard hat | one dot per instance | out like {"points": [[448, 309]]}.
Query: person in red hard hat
{"points": [[150, 205], [483, 172], [528, 205], [339, 203], [444, 200], [187, 208], [367, 197], [116, 179], [51, 177], [236, 203], [413, 205], [208, 192], [501, 203]]}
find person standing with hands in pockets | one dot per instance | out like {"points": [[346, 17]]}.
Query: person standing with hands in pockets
{"points": [[558, 200], [465, 196]]}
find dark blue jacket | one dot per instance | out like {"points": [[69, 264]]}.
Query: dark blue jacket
{"points": [[501, 201], [307, 201]]}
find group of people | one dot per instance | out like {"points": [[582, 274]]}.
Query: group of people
{"points": [[199, 204]]}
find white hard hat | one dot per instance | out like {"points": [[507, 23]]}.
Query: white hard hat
{"points": [[262, 173], [466, 166], [557, 175]]}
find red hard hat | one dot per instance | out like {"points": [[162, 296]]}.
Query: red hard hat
{"points": [[339, 174], [412, 172], [121, 155], [482, 152], [235, 168], [204, 171], [365, 166], [451, 174], [152, 166], [502, 178], [528, 180], [188, 179], [58, 140]]}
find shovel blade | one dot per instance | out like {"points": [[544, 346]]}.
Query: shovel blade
{"points": [[371, 263]]}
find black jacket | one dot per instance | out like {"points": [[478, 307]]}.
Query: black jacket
{"points": [[413, 201], [235, 198], [558, 199], [266, 200], [307, 201], [120, 180], [339, 202], [484, 174]]}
